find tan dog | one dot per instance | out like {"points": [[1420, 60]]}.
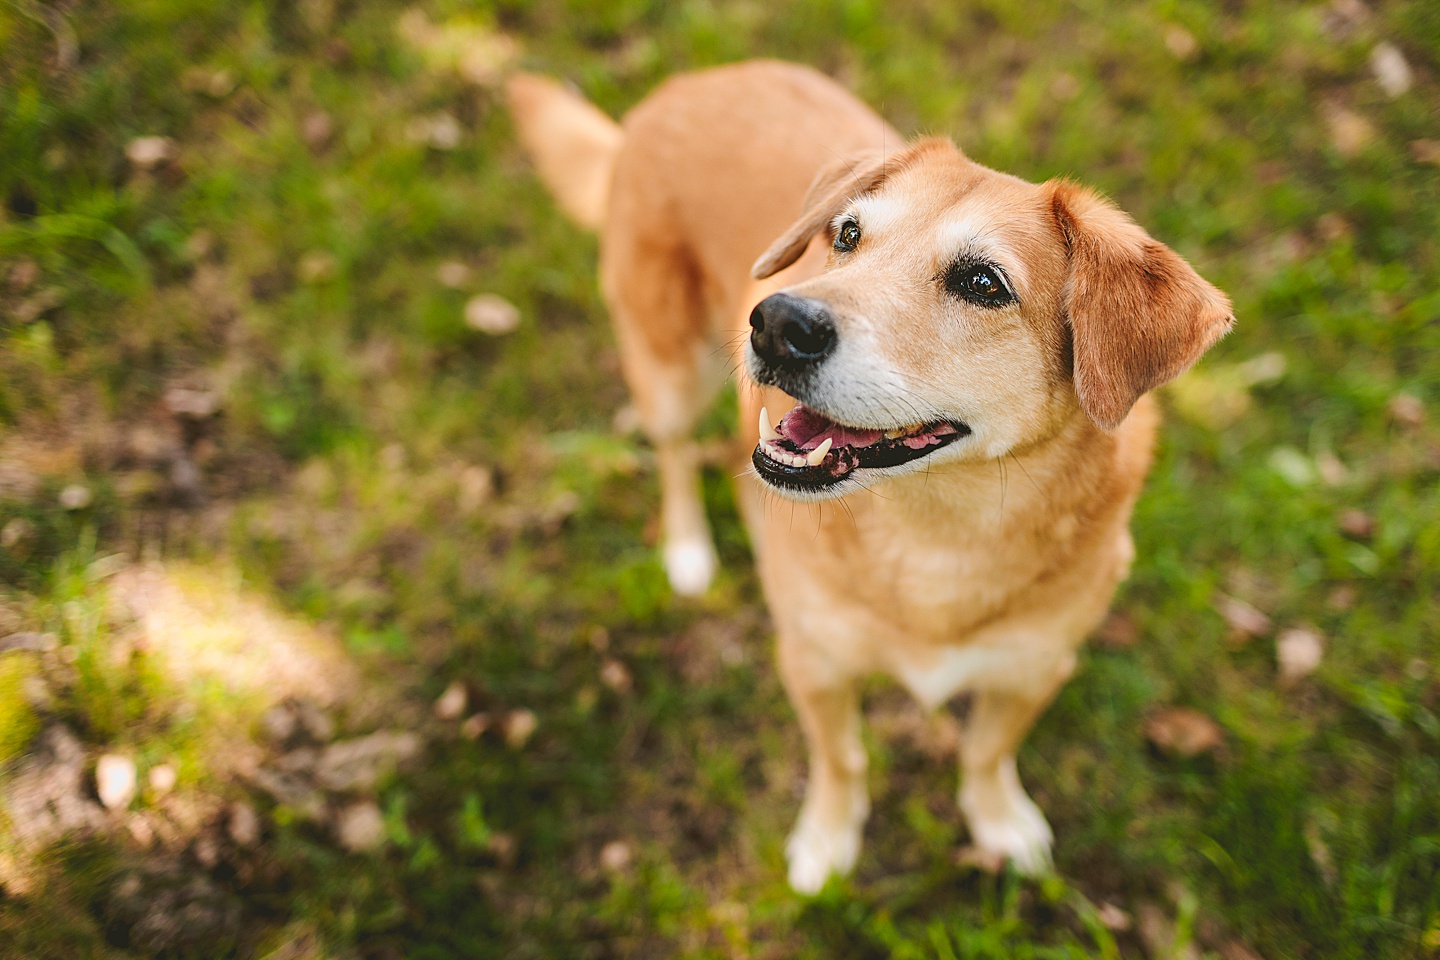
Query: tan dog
{"points": [[969, 352]]}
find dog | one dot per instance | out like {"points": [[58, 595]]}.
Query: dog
{"points": [[947, 375]]}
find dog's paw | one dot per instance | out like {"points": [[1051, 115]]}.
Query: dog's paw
{"points": [[1020, 835], [814, 853], [690, 565]]}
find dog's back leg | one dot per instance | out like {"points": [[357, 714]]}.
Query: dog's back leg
{"points": [[655, 300]]}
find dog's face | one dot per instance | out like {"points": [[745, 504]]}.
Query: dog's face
{"points": [[963, 314]]}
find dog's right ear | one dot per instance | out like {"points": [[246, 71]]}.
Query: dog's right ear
{"points": [[835, 185]]}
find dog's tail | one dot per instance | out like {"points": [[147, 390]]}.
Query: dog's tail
{"points": [[573, 144]]}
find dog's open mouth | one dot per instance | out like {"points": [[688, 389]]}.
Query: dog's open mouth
{"points": [[807, 450]]}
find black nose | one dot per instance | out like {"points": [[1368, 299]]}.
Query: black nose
{"points": [[791, 332]]}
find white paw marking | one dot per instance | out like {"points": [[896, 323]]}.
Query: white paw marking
{"points": [[815, 853], [1021, 836], [690, 566]]}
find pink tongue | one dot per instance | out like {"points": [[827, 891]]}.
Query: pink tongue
{"points": [[808, 429]]}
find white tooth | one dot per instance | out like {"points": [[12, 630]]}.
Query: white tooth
{"points": [[767, 432], [814, 457]]}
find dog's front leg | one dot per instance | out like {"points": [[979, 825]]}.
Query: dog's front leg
{"points": [[826, 838], [1004, 822]]}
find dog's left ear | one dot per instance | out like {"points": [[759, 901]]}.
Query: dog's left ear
{"points": [[835, 185], [1139, 314]]}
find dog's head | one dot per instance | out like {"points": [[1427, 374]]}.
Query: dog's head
{"points": [[963, 314]]}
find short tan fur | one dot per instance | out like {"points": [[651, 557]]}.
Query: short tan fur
{"points": [[978, 567]]}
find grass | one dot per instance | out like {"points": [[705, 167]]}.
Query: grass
{"points": [[423, 504]]}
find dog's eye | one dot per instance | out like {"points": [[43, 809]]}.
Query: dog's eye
{"points": [[978, 282], [847, 238]]}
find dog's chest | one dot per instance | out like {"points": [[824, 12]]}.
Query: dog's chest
{"points": [[938, 590]]}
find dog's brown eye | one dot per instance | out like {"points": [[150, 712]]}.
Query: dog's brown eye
{"points": [[847, 238], [978, 282]]}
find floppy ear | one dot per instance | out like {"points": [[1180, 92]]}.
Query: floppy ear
{"points": [[1139, 314], [835, 185]]}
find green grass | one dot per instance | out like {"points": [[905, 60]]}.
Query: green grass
{"points": [[292, 271]]}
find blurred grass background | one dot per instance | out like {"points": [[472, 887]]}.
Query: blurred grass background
{"points": [[364, 596]]}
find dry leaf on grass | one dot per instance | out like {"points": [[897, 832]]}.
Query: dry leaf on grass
{"points": [[360, 827], [1183, 732], [1426, 151], [1407, 409], [450, 704], [519, 726], [1113, 918], [115, 780], [162, 779], [1357, 523], [1238, 950], [1391, 69], [1298, 652], [1244, 620], [452, 274], [244, 825], [149, 152], [491, 314], [1180, 42], [1118, 632], [615, 676], [1349, 131], [474, 725], [615, 856]]}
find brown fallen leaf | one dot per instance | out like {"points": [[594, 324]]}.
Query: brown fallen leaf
{"points": [[474, 725], [1426, 151], [1392, 71], [502, 847], [614, 675], [1183, 732], [149, 152], [1244, 620], [162, 779], [1180, 42], [1357, 523], [1118, 632], [75, 496], [615, 856], [1407, 409], [1238, 950], [115, 780], [491, 314], [450, 704], [452, 274], [519, 725], [23, 273], [1331, 470], [1298, 652], [360, 827], [1113, 918], [244, 826], [316, 129], [1350, 132], [1342, 598]]}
